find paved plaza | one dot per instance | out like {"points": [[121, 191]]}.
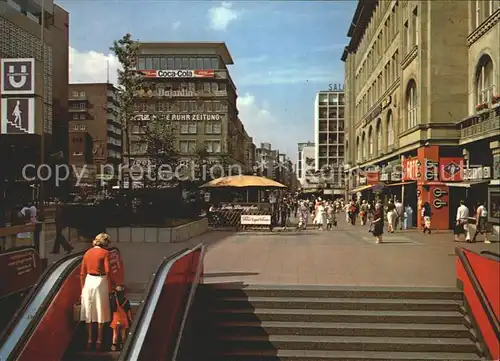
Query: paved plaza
{"points": [[344, 256]]}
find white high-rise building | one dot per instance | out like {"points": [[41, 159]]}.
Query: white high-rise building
{"points": [[329, 135]]}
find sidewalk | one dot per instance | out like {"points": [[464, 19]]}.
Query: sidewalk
{"points": [[344, 256]]}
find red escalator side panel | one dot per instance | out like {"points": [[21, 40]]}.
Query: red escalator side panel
{"points": [[478, 312], [55, 331], [165, 325], [487, 272]]}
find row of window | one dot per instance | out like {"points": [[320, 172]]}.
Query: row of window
{"points": [[332, 112], [365, 144], [185, 146], [78, 94], [379, 86], [210, 127], [81, 116], [218, 106], [484, 9], [177, 63], [332, 138], [79, 105], [332, 99], [192, 86], [115, 141]]}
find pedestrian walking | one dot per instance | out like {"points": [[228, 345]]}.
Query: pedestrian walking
{"points": [[426, 216], [377, 226], [481, 222], [462, 223]]}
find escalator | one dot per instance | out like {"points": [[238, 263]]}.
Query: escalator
{"points": [[44, 327]]}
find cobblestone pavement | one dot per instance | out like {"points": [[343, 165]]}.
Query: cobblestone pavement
{"points": [[344, 256]]}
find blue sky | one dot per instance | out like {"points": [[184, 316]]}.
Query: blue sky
{"points": [[284, 51]]}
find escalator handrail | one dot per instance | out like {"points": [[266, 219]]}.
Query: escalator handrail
{"points": [[491, 255], [134, 347], [192, 293], [31, 294], [33, 320], [150, 291]]}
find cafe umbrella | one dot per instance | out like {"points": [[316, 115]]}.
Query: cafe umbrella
{"points": [[243, 181]]}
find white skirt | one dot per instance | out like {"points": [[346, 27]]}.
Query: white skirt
{"points": [[95, 300]]}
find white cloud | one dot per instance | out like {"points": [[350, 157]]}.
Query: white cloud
{"points": [[176, 25], [92, 67], [221, 16], [264, 127]]}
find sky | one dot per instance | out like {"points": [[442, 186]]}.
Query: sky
{"points": [[284, 52]]}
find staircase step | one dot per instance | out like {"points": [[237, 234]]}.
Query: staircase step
{"points": [[356, 316], [317, 291], [343, 329], [96, 356], [310, 355], [376, 304], [349, 343]]}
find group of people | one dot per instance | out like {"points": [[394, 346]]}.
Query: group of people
{"points": [[324, 213], [102, 301]]}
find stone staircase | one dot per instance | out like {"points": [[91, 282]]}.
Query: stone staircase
{"points": [[313, 323]]}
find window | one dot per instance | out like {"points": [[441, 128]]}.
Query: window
{"points": [[212, 127], [363, 146], [185, 63], [485, 86], [215, 63], [407, 37], [414, 27], [75, 94], [156, 63], [199, 63], [75, 117], [170, 63], [213, 146], [207, 63], [411, 104], [141, 64], [163, 63], [379, 137], [187, 146], [192, 128], [370, 141], [478, 13], [390, 130], [149, 63]]}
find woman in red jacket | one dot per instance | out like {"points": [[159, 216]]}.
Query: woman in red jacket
{"points": [[94, 276]]}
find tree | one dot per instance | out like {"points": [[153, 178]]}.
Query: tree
{"points": [[129, 82], [201, 161], [159, 138]]}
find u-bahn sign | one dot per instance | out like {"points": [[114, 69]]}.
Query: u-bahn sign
{"points": [[438, 192], [438, 203]]}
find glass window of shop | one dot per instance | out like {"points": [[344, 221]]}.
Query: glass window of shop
{"points": [[174, 63]]}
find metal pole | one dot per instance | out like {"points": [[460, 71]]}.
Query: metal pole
{"points": [[42, 134]]}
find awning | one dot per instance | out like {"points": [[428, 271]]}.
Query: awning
{"points": [[361, 189], [399, 184], [467, 184]]}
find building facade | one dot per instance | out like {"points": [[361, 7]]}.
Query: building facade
{"points": [[20, 38], [300, 167], [306, 162], [405, 91], [194, 90], [329, 116], [266, 160], [95, 130], [480, 130]]}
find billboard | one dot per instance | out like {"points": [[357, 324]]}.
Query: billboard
{"points": [[178, 74], [18, 116], [17, 76]]}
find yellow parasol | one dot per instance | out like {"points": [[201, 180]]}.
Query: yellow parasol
{"points": [[241, 181]]}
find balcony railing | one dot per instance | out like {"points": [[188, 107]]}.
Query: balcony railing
{"points": [[479, 126], [77, 110]]}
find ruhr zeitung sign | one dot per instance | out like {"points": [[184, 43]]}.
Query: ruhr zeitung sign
{"points": [[183, 117], [173, 74]]}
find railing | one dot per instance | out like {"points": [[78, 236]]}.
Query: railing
{"points": [[479, 276], [167, 309]]}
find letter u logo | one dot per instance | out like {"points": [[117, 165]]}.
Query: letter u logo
{"points": [[12, 76]]}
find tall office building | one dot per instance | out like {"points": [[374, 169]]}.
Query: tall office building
{"points": [[95, 131], [40, 77], [329, 135], [193, 89]]}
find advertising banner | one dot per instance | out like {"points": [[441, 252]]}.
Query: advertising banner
{"points": [[372, 177], [117, 270], [248, 219], [17, 76], [411, 169], [174, 74], [451, 169], [20, 270], [17, 116]]}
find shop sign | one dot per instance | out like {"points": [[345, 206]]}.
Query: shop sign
{"points": [[260, 220], [362, 181], [477, 173], [496, 166], [176, 74], [336, 87], [411, 169], [192, 117], [451, 169], [395, 176], [387, 101], [430, 170], [439, 203], [372, 177], [384, 177], [20, 270]]}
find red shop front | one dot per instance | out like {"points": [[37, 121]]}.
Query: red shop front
{"points": [[432, 174]]}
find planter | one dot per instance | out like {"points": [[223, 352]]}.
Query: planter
{"points": [[481, 107], [152, 234]]}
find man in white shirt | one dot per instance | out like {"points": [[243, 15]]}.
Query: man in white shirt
{"points": [[462, 222], [399, 214], [481, 222]]}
